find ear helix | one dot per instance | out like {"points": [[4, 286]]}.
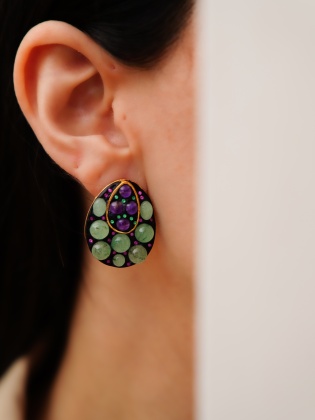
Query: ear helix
{"points": [[120, 225]]}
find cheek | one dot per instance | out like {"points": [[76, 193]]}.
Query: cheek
{"points": [[174, 196], [169, 163], [162, 125]]}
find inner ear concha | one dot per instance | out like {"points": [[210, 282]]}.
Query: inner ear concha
{"points": [[120, 225]]}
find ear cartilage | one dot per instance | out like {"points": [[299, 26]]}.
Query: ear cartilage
{"points": [[120, 225]]}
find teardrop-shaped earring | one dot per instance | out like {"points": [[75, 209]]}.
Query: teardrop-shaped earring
{"points": [[120, 225]]}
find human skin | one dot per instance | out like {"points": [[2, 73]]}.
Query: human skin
{"points": [[130, 352]]}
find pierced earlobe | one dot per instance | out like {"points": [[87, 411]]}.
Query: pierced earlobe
{"points": [[120, 225]]}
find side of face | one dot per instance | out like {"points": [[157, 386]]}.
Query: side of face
{"points": [[159, 110], [103, 121]]}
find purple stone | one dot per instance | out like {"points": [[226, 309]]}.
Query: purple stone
{"points": [[132, 208], [125, 191], [123, 225], [116, 207], [136, 242]]}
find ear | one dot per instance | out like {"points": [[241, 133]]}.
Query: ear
{"points": [[66, 85]]}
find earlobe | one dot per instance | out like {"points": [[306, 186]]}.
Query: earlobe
{"points": [[66, 85]]}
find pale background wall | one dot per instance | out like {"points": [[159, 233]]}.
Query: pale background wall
{"points": [[256, 210]]}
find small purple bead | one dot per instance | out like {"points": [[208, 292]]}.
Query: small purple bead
{"points": [[125, 191], [132, 208], [91, 241], [136, 242], [110, 190], [129, 264], [123, 225], [116, 207]]}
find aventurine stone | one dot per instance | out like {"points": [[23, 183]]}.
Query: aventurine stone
{"points": [[119, 260], [101, 250], [146, 210], [137, 254], [99, 229], [99, 207], [144, 233], [121, 243]]}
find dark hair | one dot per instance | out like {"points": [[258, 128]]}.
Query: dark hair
{"points": [[41, 221]]}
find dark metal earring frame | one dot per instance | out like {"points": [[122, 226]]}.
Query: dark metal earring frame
{"points": [[120, 225]]}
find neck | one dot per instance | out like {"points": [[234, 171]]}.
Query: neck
{"points": [[129, 354]]}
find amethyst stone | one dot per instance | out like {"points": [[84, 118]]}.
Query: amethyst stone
{"points": [[125, 191], [116, 207], [132, 208], [123, 225]]}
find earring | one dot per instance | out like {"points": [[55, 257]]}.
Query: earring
{"points": [[120, 225]]}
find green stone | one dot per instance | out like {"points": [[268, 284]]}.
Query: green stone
{"points": [[137, 254], [146, 210], [121, 242], [99, 229], [101, 250], [119, 260], [144, 233], [99, 207]]}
